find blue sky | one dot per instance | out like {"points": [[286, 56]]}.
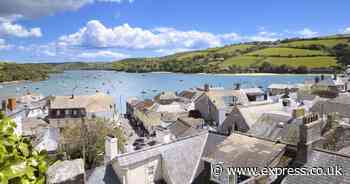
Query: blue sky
{"points": [[107, 30]]}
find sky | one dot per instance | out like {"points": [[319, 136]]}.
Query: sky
{"points": [[109, 30]]}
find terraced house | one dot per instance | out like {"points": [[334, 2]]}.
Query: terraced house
{"points": [[66, 109]]}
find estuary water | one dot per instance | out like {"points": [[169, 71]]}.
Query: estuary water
{"points": [[122, 85]]}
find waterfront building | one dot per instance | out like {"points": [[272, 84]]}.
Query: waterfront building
{"points": [[67, 109]]}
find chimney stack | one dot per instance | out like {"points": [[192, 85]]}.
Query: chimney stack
{"points": [[317, 80], [309, 133], [206, 87], [111, 148], [266, 96], [322, 77], [4, 105], [238, 86], [12, 104]]}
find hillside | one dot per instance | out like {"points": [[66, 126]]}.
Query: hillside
{"points": [[17, 72], [290, 55]]}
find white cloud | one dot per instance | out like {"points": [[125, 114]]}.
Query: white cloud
{"points": [[347, 30], [307, 33], [37, 8], [95, 34], [102, 54], [4, 45], [8, 28]]}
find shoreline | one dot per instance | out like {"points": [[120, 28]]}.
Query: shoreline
{"points": [[245, 74], [14, 82]]}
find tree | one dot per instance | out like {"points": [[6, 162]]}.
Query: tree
{"points": [[89, 136], [19, 162], [342, 52], [265, 67], [301, 69]]}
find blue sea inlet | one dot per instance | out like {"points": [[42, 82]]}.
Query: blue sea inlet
{"points": [[122, 85]]}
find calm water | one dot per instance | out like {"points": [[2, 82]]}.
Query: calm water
{"points": [[122, 85]]}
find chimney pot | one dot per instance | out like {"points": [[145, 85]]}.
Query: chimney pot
{"points": [[238, 86], [309, 133], [206, 87], [111, 148]]}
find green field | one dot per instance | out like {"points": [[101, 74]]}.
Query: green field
{"points": [[310, 62], [242, 61], [325, 42], [234, 48], [311, 53], [231, 49], [287, 52]]}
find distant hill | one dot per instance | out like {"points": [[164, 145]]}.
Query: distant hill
{"points": [[290, 55], [18, 72]]}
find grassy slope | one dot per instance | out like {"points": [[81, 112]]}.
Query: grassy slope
{"points": [[292, 53], [285, 52], [324, 42], [310, 62]]}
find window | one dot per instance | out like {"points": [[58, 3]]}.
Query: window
{"points": [[150, 170], [68, 112], [75, 112], [150, 174]]}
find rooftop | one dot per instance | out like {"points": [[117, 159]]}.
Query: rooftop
{"points": [[251, 114], [98, 102], [62, 171], [102, 175], [243, 151], [223, 98], [276, 127], [253, 91], [282, 86], [185, 126], [323, 159], [187, 151]]}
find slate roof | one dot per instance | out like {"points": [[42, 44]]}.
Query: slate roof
{"points": [[339, 105], [62, 171], [133, 101], [276, 127], [243, 151], [49, 140], [251, 114], [327, 82], [345, 150], [169, 95], [223, 98], [253, 91], [187, 94], [173, 107], [180, 157], [185, 126], [98, 102], [282, 86], [323, 159], [102, 175], [31, 126]]}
